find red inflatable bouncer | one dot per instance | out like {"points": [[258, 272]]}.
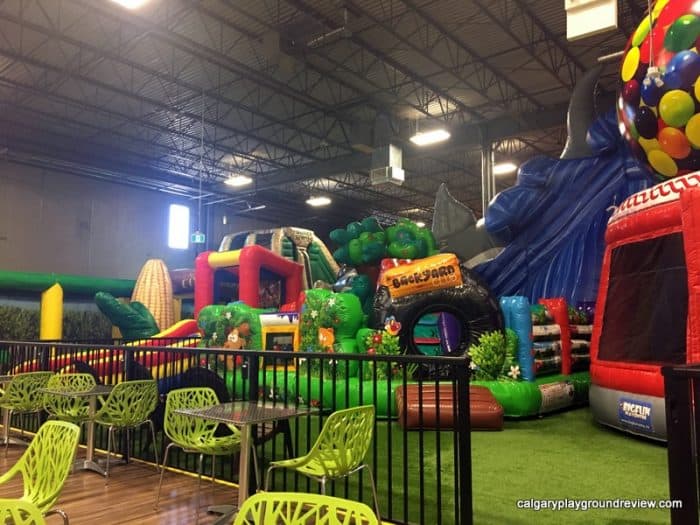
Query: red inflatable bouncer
{"points": [[645, 316], [246, 264]]}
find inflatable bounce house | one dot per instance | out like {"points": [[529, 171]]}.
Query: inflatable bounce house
{"points": [[648, 311], [297, 244], [144, 316], [540, 248], [345, 316], [526, 359]]}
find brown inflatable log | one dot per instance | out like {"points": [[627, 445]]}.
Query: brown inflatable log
{"points": [[421, 410]]}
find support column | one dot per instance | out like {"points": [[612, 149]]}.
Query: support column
{"points": [[488, 181]]}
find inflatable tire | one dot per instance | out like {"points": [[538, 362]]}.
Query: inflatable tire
{"points": [[472, 304]]}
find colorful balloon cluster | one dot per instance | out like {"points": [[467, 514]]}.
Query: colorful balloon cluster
{"points": [[658, 109]]}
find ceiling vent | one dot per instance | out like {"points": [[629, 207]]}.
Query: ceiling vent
{"points": [[387, 166]]}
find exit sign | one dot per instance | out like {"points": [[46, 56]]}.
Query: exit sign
{"points": [[198, 238]]}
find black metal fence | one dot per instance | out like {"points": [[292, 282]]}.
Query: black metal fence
{"points": [[423, 473], [682, 391]]}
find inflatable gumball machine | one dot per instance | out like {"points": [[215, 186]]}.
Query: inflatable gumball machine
{"points": [[656, 107], [646, 316]]}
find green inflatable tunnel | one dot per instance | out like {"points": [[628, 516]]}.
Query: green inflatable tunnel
{"points": [[73, 284]]}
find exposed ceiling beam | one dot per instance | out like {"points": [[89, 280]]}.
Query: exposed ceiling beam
{"points": [[630, 14], [154, 103], [637, 7], [505, 84], [559, 54], [212, 56], [529, 47], [71, 106], [464, 136], [305, 8], [362, 98]]}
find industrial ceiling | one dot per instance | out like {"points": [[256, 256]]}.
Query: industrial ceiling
{"points": [[296, 94]]}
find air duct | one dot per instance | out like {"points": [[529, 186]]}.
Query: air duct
{"points": [[387, 158], [387, 166]]}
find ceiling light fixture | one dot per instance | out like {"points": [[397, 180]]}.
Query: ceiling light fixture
{"points": [[238, 180], [425, 138], [504, 168], [130, 4], [318, 201], [420, 224]]}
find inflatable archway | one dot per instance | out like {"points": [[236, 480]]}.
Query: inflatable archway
{"points": [[645, 316], [437, 284]]}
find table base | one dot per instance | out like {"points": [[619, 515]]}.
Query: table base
{"points": [[227, 513], [85, 464], [14, 441]]}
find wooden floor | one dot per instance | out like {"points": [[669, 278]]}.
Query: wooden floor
{"points": [[129, 497]]}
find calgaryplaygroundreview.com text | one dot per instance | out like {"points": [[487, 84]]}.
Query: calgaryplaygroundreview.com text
{"points": [[587, 504]]}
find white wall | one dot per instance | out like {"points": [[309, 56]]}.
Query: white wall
{"points": [[53, 222]]}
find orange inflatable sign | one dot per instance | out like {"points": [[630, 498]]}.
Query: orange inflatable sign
{"points": [[424, 275]]}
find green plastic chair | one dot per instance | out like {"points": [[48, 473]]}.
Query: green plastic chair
{"points": [[339, 450], [299, 508], [45, 465], [128, 406], [195, 435], [73, 409], [22, 395], [18, 512]]}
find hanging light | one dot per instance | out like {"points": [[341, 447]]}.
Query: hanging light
{"points": [[238, 180], [130, 4], [504, 168], [425, 138], [318, 201]]}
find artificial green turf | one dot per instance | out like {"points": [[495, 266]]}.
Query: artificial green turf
{"points": [[565, 455], [559, 456]]}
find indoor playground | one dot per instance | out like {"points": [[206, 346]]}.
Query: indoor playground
{"points": [[511, 358]]}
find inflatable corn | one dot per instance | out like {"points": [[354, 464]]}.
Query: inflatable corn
{"points": [[154, 290]]}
